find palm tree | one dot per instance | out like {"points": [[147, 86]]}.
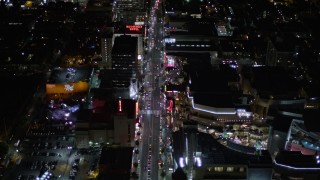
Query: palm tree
{"points": [[163, 174]]}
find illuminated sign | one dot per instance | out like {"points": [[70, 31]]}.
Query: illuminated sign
{"points": [[170, 106], [77, 87], [68, 87], [137, 23], [169, 61], [137, 108], [243, 113], [134, 27], [120, 105], [169, 40]]}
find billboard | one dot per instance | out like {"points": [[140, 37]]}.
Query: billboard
{"points": [[70, 88]]}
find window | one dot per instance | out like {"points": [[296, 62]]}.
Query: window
{"points": [[230, 169], [241, 169], [218, 169]]}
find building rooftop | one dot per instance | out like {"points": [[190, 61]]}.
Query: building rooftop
{"points": [[115, 163], [229, 45], [106, 79], [173, 87], [274, 82], [69, 75], [221, 100], [127, 107], [311, 120], [287, 43], [216, 153], [125, 45], [292, 27], [206, 79], [296, 159]]}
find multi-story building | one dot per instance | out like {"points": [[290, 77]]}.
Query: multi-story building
{"points": [[127, 10], [102, 126], [124, 61], [135, 31], [106, 46]]}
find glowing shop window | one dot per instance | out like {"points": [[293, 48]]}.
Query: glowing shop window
{"points": [[230, 169], [218, 169]]}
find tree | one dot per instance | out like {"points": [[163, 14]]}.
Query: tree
{"points": [[161, 165], [135, 164], [163, 174], [136, 151], [4, 148]]}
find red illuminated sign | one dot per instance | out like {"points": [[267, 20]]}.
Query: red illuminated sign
{"points": [[134, 27], [120, 105], [170, 106]]}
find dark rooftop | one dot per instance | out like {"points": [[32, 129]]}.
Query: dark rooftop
{"points": [[220, 100], [106, 79], [125, 44], [293, 26], [206, 79], [275, 82], [228, 45], [281, 123], [128, 108], [311, 119], [173, 87], [115, 163], [296, 159], [287, 43], [217, 153]]}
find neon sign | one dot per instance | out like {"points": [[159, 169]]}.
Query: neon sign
{"points": [[137, 108], [120, 105], [134, 27], [170, 106]]}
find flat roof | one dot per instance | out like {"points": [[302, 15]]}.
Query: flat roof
{"points": [[221, 100], [296, 159], [173, 87], [293, 26], [216, 153], [117, 162], [287, 43], [311, 120], [231, 45], [125, 44], [274, 81], [69, 75], [206, 79]]}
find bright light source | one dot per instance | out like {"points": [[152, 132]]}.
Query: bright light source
{"points": [[181, 162], [120, 105]]}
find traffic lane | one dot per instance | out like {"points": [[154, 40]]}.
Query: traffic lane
{"points": [[155, 137], [155, 151], [144, 146]]}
